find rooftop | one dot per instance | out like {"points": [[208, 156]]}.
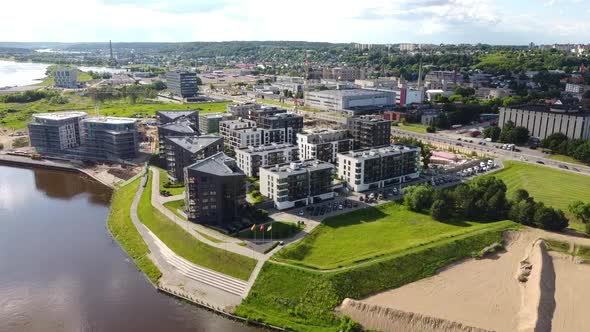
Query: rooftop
{"points": [[182, 126], [268, 147], [349, 92], [299, 166], [173, 115], [111, 120], [194, 144], [218, 164], [60, 115], [214, 115], [562, 109], [379, 151]]}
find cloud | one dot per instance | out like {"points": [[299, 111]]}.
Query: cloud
{"points": [[177, 6]]}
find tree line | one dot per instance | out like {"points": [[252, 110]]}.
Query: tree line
{"points": [[483, 199], [578, 149]]}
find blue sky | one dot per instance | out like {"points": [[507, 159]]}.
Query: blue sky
{"points": [[364, 21]]}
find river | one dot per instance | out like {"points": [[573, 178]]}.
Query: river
{"points": [[27, 73], [60, 270]]}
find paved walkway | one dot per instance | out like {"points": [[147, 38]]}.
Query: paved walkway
{"points": [[213, 288]]}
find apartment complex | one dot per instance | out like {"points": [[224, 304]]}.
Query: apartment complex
{"points": [[165, 117], [369, 131], [55, 132], [209, 123], [215, 191], [183, 151], [290, 123], [182, 83], [543, 120], [250, 159], [111, 138], [182, 127], [349, 98], [65, 78], [369, 169], [297, 184], [253, 111], [323, 144], [343, 74], [244, 133], [442, 80]]}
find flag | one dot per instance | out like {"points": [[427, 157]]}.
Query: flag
{"points": [[269, 228], [253, 227], [262, 227]]}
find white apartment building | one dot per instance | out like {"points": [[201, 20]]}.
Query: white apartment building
{"points": [[250, 159], [297, 184], [323, 144], [369, 169], [244, 133], [65, 78]]}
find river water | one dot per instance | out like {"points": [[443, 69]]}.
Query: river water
{"points": [[60, 270]]}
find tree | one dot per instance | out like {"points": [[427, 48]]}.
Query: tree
{"points": [[520, 195], [464, 91], [431, 129], [418, 198], [492, 132], [580, 210], [550, 219], [520, 135], [440, 210]]}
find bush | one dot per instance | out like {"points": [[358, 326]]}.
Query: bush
{"points": [[440, 210], [431, 129], [418, 198], [349, 325]]}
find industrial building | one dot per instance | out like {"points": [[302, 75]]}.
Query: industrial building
{"points": [[55, 132], [215, 191], [297, 184], [544, 120], [369, 169], [323, 144], [369, 131], [182, 83], [250, 159], [350, 98], [209, 123], [65, 78], [182, 151]]}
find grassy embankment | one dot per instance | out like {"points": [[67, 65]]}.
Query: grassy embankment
{"points": [[551, 186], [174, 206], [580, 251], [413, 127], [17, 115], [280, 230], [381, 248], [123, 230], [566, 159], [164, 179], [287, 105], [49, 80], [187, 246]]}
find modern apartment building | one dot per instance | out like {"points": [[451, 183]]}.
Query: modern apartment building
{"points": [[575, 89], [215, 191], [183, 151], [343, 74], [55, 132], [544, 120], [65, 78], [244, 133], [349, 98], [209, 123], [290, 123], [182, 127], [111, 138], [252, 111], [297, 184], [323, 144], [182, 83], [442, 80], [369, 169], [369, 131], [250, 159], [165, 117]]}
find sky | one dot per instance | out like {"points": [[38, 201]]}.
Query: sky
{"points": [[364, 21]]}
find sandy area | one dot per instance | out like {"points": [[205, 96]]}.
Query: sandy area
{"points": [[486, 293]]}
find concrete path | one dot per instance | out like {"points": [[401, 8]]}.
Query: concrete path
{"points": [[183, 277]]}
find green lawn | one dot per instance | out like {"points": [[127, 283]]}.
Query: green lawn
{"points": [[414, 127], [551, 186], [566, 159], [287, 105], [123, 230], [373, 232], [280, 230], [187, 246], [174, 206], [18, 115], [164, 179]]}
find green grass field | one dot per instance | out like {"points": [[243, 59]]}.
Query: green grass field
{"points": [[174, 206], [374, 232], [280, 230], [123, 230], [413, 127], [566, 159], [17, 115], [187, 246], [551, 186], [163, 179], [303, 300]]}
